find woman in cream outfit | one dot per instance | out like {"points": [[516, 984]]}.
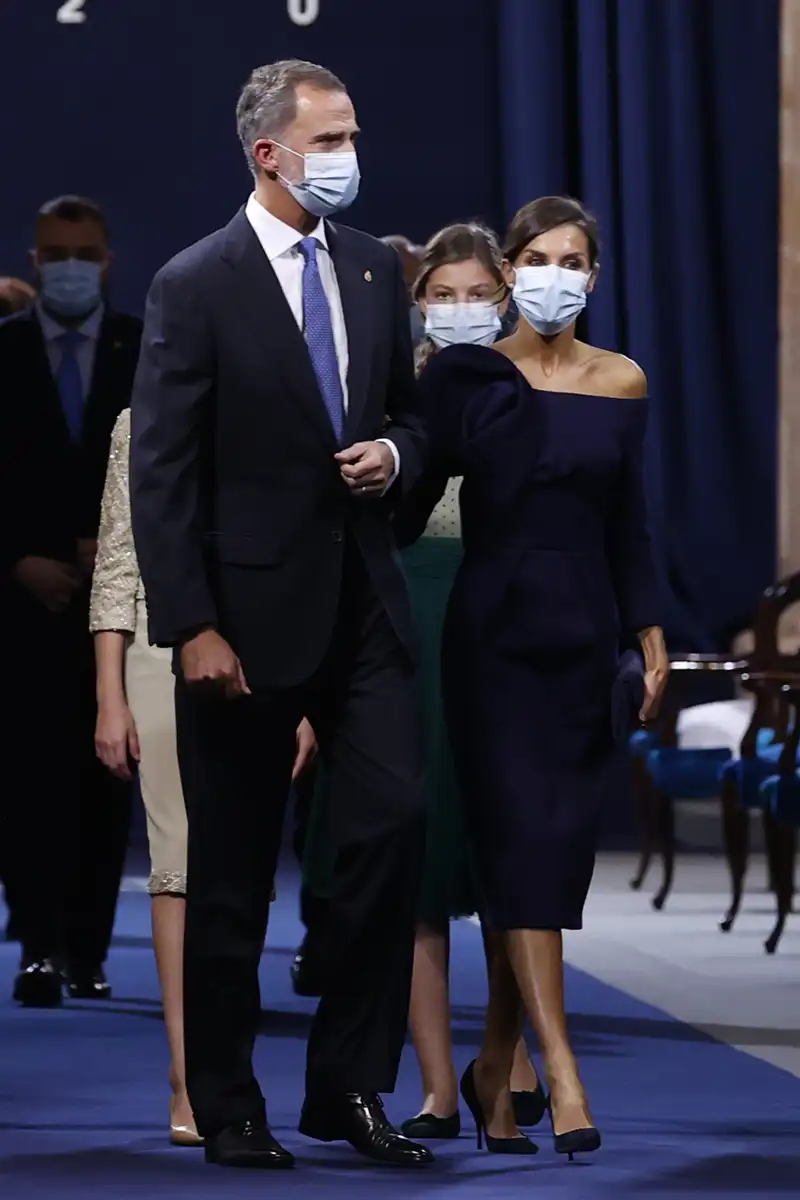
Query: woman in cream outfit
{"points": [[136, 725], [136, 730]]}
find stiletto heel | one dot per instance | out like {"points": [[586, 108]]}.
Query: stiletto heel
{"points": [[574, 1141], [515, 1145]]}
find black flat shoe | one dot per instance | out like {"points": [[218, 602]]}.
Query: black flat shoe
{"points": [[361, 1121], [515, 1145], [429, 1127], [38, 984], [87, 983], [249, 1146], [529, 1107], [575, 1141]]}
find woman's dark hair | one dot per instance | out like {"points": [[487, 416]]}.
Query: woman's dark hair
{"points": [[544, 214], [455, 244]]}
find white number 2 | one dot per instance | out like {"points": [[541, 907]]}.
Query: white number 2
{"points": [[302, 12], [71, 12]]}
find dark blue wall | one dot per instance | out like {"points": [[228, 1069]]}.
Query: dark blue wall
{"points": [[135, 107]]}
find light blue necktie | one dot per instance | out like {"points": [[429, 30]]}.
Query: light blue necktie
{"points": [[70, 382], [318, 331]]}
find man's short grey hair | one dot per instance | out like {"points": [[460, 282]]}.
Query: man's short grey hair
{"points": [[268, 102]]}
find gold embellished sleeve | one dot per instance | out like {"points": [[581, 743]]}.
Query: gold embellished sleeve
{"points": [[115, 582]]}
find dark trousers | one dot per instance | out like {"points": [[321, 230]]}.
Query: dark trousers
{"points": [[64, 822], [313, 909], [236, 760]]}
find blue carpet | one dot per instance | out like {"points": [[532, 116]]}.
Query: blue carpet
{"points": [[83, 1097]]}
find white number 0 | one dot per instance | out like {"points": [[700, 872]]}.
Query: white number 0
{"points": [[71, 12], [302, 12]]}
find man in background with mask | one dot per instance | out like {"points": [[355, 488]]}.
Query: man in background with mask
{"points": [[66, 371], [273, 417]]}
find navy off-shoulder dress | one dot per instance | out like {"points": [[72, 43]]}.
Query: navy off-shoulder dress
{"points": [[557, 571]]}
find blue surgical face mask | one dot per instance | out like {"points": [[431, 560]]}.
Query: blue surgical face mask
{"points": [[330, 181], [476, 323], [550, 298], [71, 288]]}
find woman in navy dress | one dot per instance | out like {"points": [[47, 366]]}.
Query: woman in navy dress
{"points": [[547, 433]]}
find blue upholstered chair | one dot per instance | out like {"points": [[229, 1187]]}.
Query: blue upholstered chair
{"points": [[732, 750]]}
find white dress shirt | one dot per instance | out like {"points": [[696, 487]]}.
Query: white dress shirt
{"points": [[281, 244], [85, 352]]}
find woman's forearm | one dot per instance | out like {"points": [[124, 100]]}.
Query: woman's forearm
{"points": [[109, 653], [654, 649]]}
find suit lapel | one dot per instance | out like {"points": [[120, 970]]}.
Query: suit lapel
{"points": [[355, 282], [267, 314]]}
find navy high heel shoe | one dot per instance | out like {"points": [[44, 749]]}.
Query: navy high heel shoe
{"points": [[515, 1145], [574, 1141], [529, 1107]]}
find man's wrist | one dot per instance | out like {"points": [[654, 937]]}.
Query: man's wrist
{"points": [[395, 460], [188, 635]]}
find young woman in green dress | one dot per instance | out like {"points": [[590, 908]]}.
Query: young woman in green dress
{"points": [[463, 297]]}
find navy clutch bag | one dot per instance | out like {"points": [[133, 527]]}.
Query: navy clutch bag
{"points": [[627, 696]]}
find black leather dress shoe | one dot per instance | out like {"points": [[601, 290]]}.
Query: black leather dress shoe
{"points": [[249, 1145], [361, 1121], [87, 984], [306, 975], [38, 984]]}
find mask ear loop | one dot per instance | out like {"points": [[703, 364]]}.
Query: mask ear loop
{"points": [[297, 154]]}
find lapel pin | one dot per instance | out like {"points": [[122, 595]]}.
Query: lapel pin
{"points": [[368, 276]]}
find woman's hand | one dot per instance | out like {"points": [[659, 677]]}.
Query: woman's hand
{"points": [[655, 682], [116, 740], [306, 748], [656, 672]]}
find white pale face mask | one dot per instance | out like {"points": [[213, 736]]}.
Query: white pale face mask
{"points": [[550, 298], [330, 181], [476, 323]]}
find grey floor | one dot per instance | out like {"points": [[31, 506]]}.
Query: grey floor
{"points": [[679, 961]]}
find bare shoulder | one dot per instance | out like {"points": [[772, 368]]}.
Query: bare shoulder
{"points": [[624, 377]]}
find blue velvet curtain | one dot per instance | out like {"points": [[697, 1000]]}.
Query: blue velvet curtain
{"points": [[662, 115]]}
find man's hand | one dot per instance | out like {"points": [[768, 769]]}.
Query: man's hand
{"points": [[87, 552], [367, 468], [208, 661], [306, 748], [50, 582]]}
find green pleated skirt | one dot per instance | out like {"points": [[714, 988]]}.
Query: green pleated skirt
{"points": [[449, 886], [449, 883]]}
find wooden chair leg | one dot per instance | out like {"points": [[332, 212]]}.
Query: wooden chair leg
{"points": [[736, 838], [642, 787], [665, 813], [781, 844]]}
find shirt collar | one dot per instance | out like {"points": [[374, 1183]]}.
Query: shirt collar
{"points": [[52, 330], [275, 236]]}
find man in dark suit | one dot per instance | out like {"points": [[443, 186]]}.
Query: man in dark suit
{"points": [[273, 419], [66, 371]]}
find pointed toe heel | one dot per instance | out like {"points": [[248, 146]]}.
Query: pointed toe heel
{"points": [[515, 1145]]}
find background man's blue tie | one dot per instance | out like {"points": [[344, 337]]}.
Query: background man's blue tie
{"points": [[318, 331], [70, 382]]}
